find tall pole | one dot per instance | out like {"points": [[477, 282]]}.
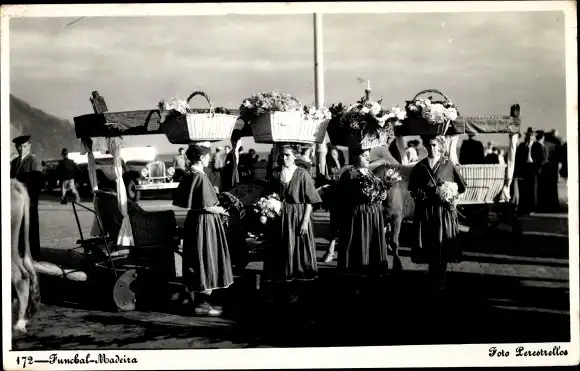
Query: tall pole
{"points": [[319, 87]]}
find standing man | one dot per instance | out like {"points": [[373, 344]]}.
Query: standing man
{"points": [[66, 174], [525, 174], [471, 151], [27, 169], [554, 149], [230, 173], [180, 164], [540, 155]]}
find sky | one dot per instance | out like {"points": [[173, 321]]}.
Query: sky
{"points": [[484, 62]]}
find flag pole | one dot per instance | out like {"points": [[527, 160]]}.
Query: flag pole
{"points": [[321, 149]]}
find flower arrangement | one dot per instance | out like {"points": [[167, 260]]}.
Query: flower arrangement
{"points": [[435, 112], [231, 204], [391, 177], [316, 114], [273, 101], [365, 119], [373, 188], [268, 208], [448, 193]]}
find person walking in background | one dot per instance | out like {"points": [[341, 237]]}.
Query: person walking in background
{"points": [[66, 171], [471, 151], [540, 155], [217, 165], [492, 158], [489, 149], [27, 169], [554, 148], [304, 161], [230, 174], [180, 164], [564, 161], [411, 152], [330, 177], [501, 157], [525, 174]]}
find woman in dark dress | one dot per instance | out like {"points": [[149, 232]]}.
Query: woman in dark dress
{"points": [[291, 254], [435, 222], [363, 247], [206, 258]]}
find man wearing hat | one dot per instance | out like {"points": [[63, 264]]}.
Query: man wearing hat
{"points": [[28, 170], [525, 174]]}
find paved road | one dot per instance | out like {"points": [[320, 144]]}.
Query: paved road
{"points": [[500, 293]]}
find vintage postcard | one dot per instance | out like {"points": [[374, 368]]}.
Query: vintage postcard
{"points": [[289, 185]]}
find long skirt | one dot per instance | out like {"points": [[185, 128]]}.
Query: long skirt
{"points": [[436, 229], [363, 246], [290, 256], [206, 257]]}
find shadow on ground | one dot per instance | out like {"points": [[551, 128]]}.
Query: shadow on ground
{"points": [[401, 310]]}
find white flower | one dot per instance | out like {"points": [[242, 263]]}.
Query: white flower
{"points": [[452, 114], [365, 110]]}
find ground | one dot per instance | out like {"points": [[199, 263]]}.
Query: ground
{"points": [[500, 293]]}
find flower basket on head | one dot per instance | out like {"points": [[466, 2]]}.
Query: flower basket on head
{"points": [[427, 116], [182, 125], [276, 117], [365, 124]]}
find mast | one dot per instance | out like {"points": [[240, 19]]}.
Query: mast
{"points": [[321, 149]]}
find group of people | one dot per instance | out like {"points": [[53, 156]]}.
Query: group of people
{"points": [[541, 159], [290, 256]]}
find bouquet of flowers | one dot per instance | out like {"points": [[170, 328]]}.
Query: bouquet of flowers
{"points": [[262, 103], [434, 112], [373, 188], [391, 177], [448, 193], [231, 204], [268, 208]]}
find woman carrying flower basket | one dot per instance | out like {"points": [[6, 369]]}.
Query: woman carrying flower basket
{"points": [[435, 185], [291, 254], [359, 194], [206, 257]]}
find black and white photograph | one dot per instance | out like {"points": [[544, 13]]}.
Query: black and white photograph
{"points": [[385, 184]]}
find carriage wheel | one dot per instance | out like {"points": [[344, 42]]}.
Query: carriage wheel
{"points": [[123, 292]]}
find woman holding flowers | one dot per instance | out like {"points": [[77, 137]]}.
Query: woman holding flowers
{"points": [[363, 248], [291, 254], [206, 258], [435, 185]]}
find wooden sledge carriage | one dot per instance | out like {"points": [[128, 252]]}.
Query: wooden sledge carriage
{"points": [[134, 253]]}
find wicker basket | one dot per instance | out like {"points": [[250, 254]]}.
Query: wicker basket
{"points": [[198, 127], [287, 127], [420, 126]]}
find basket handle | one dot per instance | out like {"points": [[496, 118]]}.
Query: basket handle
{"points": [[195, 93], [433, 91]]}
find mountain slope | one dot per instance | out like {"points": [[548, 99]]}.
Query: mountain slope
{"points": [[50, 134]]}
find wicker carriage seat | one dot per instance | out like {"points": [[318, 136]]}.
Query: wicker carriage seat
{"points": [[484, 183]]}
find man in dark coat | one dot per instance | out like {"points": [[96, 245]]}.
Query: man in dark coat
{"points": [[525, 174], [230, 172], [471, 151], [28, 170], [554, 146], [540, 155]]}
